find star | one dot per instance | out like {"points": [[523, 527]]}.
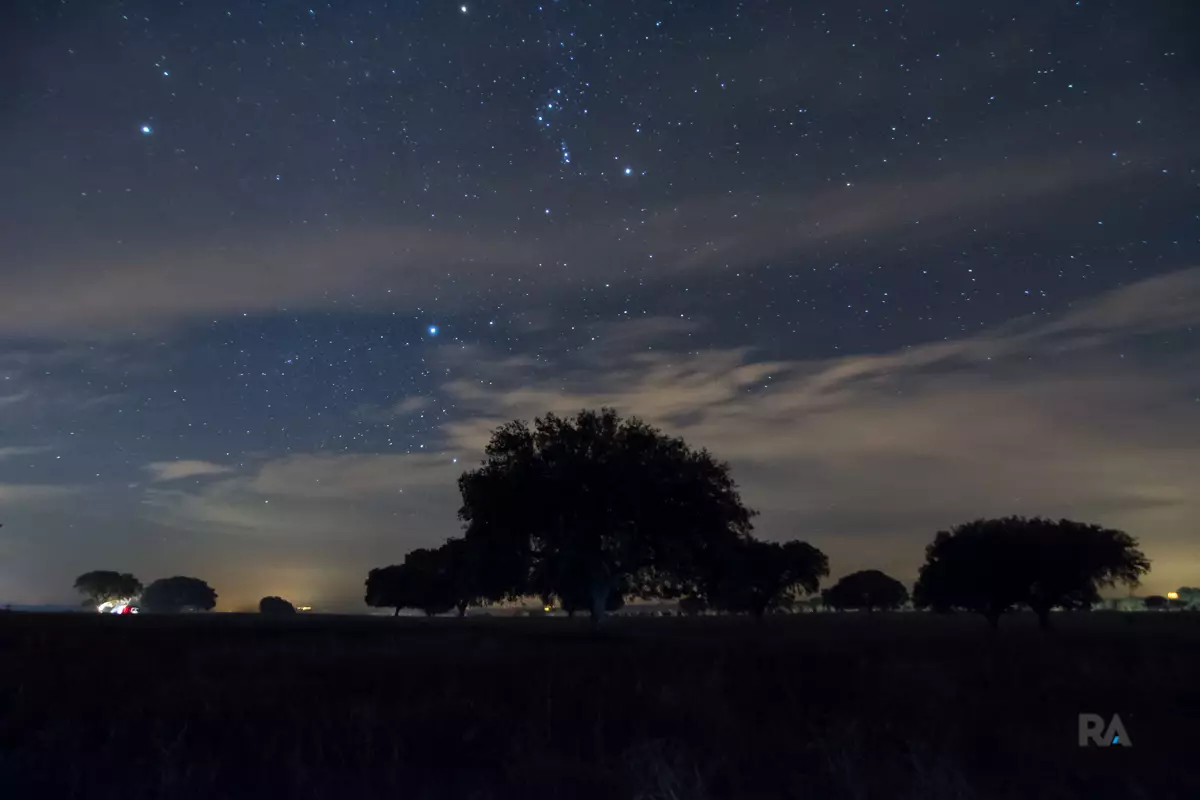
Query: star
{"points": [[629, 170], [433, 330], [147, 130]]}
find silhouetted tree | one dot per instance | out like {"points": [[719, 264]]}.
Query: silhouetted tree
{"points": [[107, 586], [275, 606], [1155, 602], [425, 581], [1072, 561], [172, 595], [991, 566], [387, 588], [479, 572], [869, 589], [756, 577], [583, 506], [1189, 597], [692, 605]]}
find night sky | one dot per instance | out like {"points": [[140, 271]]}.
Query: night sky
{"points": [[271, 271]]}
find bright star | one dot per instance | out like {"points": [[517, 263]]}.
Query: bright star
{"points": [[463, 9], [629, 170], [147, 130], [433, 330]]}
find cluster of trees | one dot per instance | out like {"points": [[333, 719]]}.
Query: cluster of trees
{"points": [[994, 566], [165, 595], [1187, 598], [590, 510]]}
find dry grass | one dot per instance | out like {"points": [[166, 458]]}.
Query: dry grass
{"points": [[821, 706]]}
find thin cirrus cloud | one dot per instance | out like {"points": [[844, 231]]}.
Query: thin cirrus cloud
{"points": [[58, 295], [867, 455], [18, 452], [163, 471]]}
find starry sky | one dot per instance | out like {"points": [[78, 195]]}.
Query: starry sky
{"points": [[271, 271]]}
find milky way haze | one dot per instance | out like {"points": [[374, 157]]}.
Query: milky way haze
{"points": [[270, 272]]}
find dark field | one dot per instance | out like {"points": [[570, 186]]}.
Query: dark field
{"points": [[822, 706]]}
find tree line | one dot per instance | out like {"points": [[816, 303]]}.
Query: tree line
{"points": [[589, 511], [592, 510]]}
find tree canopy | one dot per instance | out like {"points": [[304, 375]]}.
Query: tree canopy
{"points": [[756, 577], [275, 606], [180, 593], [107, 586], [582, 507], [992, 566], [1189, 597], [869, 589], [433, 581]]}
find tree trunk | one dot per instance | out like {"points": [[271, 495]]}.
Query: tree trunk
{"points": [[397, 612], [599, 601], [1043, 615], [993, 618], [462, 610], [570, 613]]}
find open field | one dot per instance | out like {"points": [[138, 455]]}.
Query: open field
{"points": [[822, 706]]}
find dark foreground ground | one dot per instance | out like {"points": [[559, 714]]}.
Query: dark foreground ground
{"points": [[820, 706]]}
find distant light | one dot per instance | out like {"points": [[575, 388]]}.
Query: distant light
{"points": [[629, 170], [546, 608], [1172, 595], [304, 608], [433, 330], [147, 130]]}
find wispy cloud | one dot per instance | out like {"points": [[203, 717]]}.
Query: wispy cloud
{"points": [[13, 399], [411, 405], [867, 455], [162, 471], [380, 267], [14, 493], [17, 452]]}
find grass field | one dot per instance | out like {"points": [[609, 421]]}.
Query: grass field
{"points": [[820, 706]]}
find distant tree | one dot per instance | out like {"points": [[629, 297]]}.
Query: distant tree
{"points": [[1155, 602], [107, 586], [432, 584], [479, 572], [992, 566], [172, 595], [1128, 604], [275, 606], [387, 588], [869, 589], [692, 605], [426, 580], [1189, 597], [757, 577], [584, 506]]}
